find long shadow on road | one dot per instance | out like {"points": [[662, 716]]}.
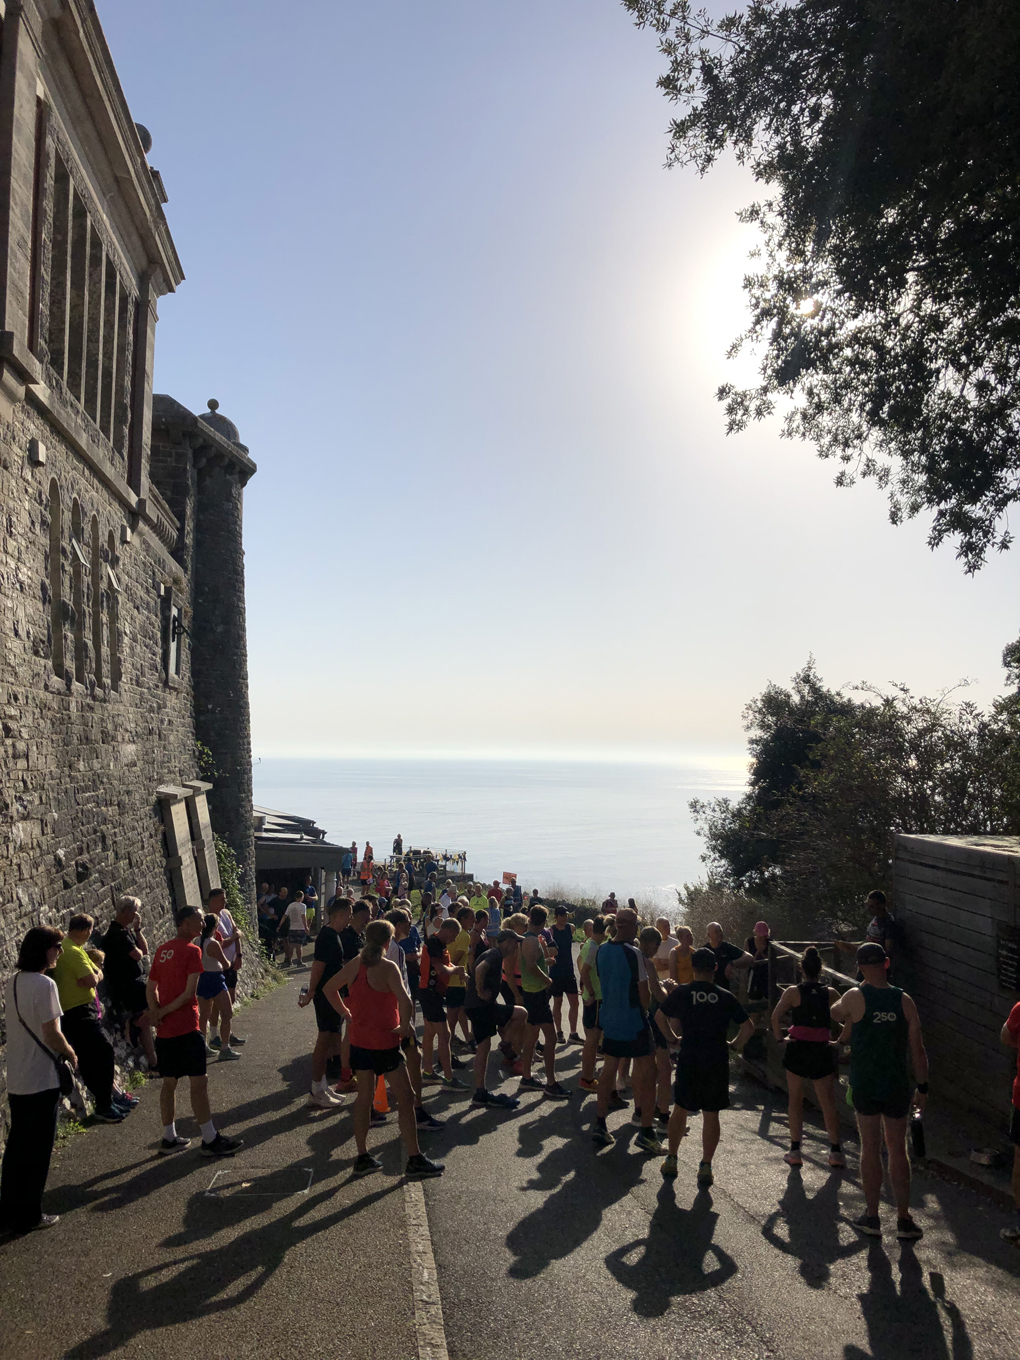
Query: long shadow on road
{"points": [[908, 1320], [811, 1228], [202, 1284], [670, 1261]]}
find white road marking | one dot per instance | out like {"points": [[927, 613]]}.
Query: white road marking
{"points": [[428, 1307], [213, 1192]]}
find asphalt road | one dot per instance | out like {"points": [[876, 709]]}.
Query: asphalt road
{"points": [[544, 1248], [549, 1250]]}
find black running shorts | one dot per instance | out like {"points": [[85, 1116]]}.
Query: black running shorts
{"points": [[639, 1046], [488, 1020], [810, 1060], [432, 1008], [590, 1015], [895, 1106], [537, 1006], [699, 1087], [377, 1060], [327, 1020], [564, 986], [182, 1056], [455, 996]]}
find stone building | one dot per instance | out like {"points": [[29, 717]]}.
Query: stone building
{"points": [[122, 623]]}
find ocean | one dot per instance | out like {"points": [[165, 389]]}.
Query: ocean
{"points": [[569, 827]]}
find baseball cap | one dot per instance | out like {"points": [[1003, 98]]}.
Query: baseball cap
{"points": [[703, 960], [872, 952], [560, 911], [505, 936]]}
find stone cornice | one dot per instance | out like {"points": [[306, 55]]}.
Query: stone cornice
{"points": [[208, 444]]}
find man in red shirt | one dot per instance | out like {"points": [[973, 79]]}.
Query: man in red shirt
{"points": [[180, 1049], [1011, 1038]]}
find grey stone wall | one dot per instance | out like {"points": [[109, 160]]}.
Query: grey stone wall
{"points": [[220, 659], [80, 763]]}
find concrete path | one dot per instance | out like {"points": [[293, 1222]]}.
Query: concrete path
{"points": [[545, 1250], [251, 1257]]}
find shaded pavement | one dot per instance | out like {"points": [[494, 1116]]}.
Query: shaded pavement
{"points": [[545, 1249]]}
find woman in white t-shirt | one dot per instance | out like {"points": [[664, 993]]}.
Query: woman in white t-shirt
{"points": [[33, 1087], [297, 929]]}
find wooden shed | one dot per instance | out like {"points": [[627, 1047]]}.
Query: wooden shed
{"points": [[956, 898]]}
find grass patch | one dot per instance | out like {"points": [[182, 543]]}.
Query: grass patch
{"points": [[67, 1128]]}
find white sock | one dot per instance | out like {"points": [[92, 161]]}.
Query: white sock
{"points": [[208, 1132], [318, 1087], [170, 1131]]}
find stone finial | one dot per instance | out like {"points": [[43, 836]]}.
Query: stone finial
{"points": [[213, 404], [144, 136]]}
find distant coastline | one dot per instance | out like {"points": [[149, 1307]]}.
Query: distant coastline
{"points": [[572, 828]]}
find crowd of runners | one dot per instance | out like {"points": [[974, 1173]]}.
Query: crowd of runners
{"points": [[498, 986]]}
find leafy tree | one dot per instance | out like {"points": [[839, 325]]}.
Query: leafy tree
{"points": [[885, 306], [834, 776]]}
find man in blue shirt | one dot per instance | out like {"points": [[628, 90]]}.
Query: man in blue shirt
{"points": [[623, 1019]]}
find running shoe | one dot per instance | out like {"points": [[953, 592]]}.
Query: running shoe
{"points": [[229, 1055], [215, 1042], [648, 1141], [559, 1037], [636, 1118], [508, 1055], [530, 1084], [540, 1048], [324, 1100], [669, 1166], [452, 1084], [705, 1177], [662, 1117], [365, 1163], [556, 1092], [221, 1147], [589, 1087], [46, 1221], [602, 1137], [376, 1118], [170, 1145], [236, 1041], [517, 1069], [458, 1063], [793, 1158], [422, 1166], [1011, 1233], [125, 1102], [111, 1115], [870, 1224], [575, 1038], [426, 1121], [616, 1101], [907, 1230], [836, 1158], [430, 1078]]}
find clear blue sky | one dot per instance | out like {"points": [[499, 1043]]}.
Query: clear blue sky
{"points": [[471, 331]]}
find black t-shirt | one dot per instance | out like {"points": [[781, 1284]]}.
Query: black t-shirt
{"points": [[758, 983], [329, 951], [493, 961], [724, 956], [351, 943], [705, 1011], [120, 969]]}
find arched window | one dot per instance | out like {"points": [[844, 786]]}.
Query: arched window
{"points": [[56, 585], [97, 603], [114, 615], [78, 560]]}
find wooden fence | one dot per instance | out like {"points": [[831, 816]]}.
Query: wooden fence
{"points": [[956, 899]]}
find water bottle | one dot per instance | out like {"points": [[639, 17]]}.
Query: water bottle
{"points": [[302, 994], [917, 1134]]}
